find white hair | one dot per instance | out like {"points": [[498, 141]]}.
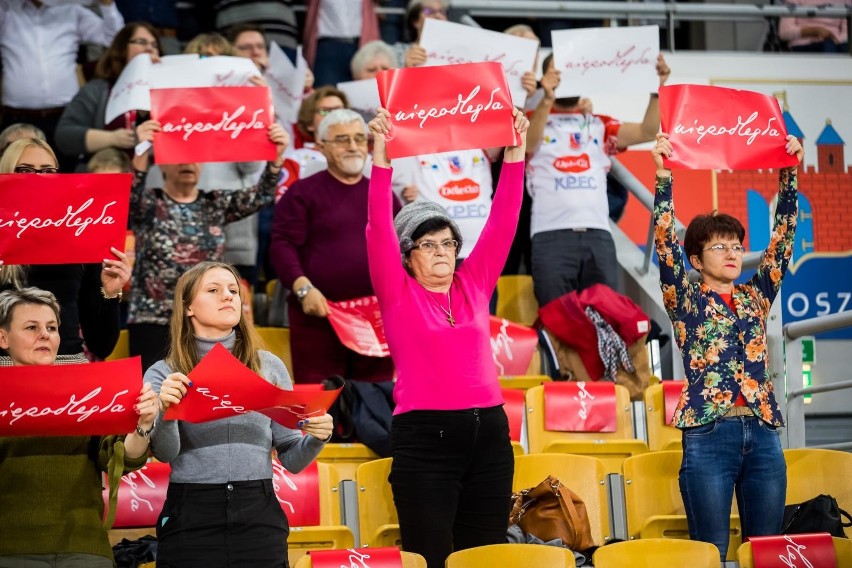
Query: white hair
{"points": [[340, 116], [369, 52]]}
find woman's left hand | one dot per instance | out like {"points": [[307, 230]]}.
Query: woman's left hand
{"points": [[280, 138], [320, 427], [794, 147], [663, 69], [147, 407], [115, 273]]}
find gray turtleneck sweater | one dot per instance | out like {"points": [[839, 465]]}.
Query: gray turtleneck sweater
{"points": [[230, 449]]}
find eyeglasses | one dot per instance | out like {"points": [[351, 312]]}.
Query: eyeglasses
{"points": [[723, 249], [29, 170], [250, 46], [325, 111], [142, 42], [431, 247], [346, 141], [434, 11]]}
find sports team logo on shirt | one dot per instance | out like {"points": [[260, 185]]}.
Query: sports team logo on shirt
{"points": [[455, 165], [572, 164], [464, 189], [574, 140]]}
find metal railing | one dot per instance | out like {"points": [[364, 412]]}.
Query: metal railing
{"points": [[796, 391]]}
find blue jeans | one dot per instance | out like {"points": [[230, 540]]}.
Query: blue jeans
{"points": [[742, 454]]}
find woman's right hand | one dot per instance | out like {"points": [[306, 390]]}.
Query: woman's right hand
{"points": [[380, 129], [663, 148], [173, 390], [415, 56], [145, 131], [123, 138]]}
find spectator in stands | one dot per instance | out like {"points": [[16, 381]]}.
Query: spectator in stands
{"points": [[369, 60], [321, 218], [167, 222], [248, 41], [334, 29], [210, 45], [82, 130], [18, 131], [411, 54], [452, 456], [109, 161], [315, 107], [90, 293], [220, 507], [51, 485], [36, 91], [572, 247], [275, 20], [727, 409], [815, 35]]}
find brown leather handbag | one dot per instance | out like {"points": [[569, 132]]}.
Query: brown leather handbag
{"points": [[550, 511]]}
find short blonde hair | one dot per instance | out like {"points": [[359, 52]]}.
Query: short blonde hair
{"points": [[215, 42], [12, 155], [109, 159], [10, 299]]}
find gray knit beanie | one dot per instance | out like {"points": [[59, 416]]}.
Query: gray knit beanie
{"points": [[415, 214]]}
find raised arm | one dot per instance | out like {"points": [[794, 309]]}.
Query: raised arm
{"points": [[538, 120], [244, 202]]}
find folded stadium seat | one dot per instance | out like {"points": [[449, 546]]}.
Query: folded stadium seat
{"points": [[512, 556], [584, 475], [523, 381], [311, 501], [409, 560], [656, 552], [377, 518], [586, 405], [660, 403], [653, 502], [842, 552], [812, 471], [346, 457], [122, 347], [515, 299], [277, 340], [140, 499], [515, 411]]}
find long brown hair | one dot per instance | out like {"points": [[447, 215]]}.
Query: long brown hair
{"points": [[112, 62], [183, 352]]}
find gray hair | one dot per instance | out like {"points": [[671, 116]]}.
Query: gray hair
{"points": [[339, 116], [518, 29], [369, 52], [10, 299], [17, 131]]}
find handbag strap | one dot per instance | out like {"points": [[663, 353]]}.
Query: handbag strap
{"points": [[567, 503], [843, 513]]}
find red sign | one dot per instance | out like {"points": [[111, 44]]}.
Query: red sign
{"points": [[62, 219], [89, 399], [460, 190], [141, 496], [512, 346], [212, 124], [357, 558], [794, 551], [447, 107], [224, 387], [513, 404], [719, 128], [298, 494], [671, 393], [577, 406], [358, 325], [573, 164]]}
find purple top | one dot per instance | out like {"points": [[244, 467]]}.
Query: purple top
{"points": [[441, 367]]}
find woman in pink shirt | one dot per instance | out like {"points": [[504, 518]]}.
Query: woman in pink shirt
{"points": [[452, 458]]}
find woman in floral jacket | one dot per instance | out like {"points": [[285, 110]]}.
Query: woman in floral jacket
{"points": [[727, 409]]}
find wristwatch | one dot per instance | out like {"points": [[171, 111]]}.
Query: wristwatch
{"points": [[303, 291]]}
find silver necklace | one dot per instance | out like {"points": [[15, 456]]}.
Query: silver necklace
{"points": [[447, 312]]}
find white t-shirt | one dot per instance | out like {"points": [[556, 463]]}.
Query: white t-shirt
{"points": [[339, 18], [566, 176], [459, 181]]}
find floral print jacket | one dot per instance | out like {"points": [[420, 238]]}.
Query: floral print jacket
{"points": [[173, 237], [724, 351]]}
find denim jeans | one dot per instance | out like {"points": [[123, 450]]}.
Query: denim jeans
{"points": [[739, 454], [452, 479]]}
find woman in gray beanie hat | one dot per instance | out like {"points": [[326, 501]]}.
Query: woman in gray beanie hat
{"points": [[452, 458]]}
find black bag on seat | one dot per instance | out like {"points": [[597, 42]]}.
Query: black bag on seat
{"points": [[820, 514]]}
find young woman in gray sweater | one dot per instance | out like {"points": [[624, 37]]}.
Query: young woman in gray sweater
{"points": [[220, 508]]}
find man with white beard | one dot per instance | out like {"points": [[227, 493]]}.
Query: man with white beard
{"points": [[319, 249]]}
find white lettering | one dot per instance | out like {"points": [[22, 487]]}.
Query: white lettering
{"points": [[582, 395], [73, 407], [223, 402], [740, 129], [463, 106], [794, 552], [502, 342], [798, 296], [72, 219], [228, 123]]}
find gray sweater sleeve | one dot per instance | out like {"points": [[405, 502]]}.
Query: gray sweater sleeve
{"points": [[165, 439], [85, 111]]}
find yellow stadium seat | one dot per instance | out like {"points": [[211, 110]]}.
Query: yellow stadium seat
{"points": [[512, 556], [610, 447], [409, 560], [346, 457], [812, 471], [376, 511], [515, 299], [584, 475], [661, 436], [653, 502], [523, 381], [842, 548], [122, 348], [277, 340], [656, 552]]}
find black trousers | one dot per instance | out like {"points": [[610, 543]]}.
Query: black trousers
{"points": [[452, 479], [238, 524]]}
